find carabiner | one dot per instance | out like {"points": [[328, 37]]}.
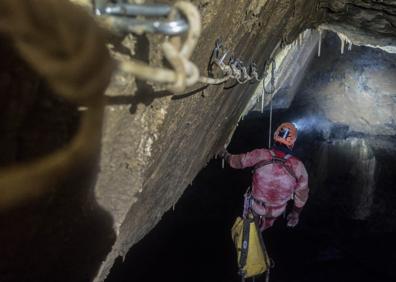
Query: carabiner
{"points": [[124, 18], [173, 27], [134, 10]]}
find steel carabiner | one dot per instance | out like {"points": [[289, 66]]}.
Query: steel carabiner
{"points": [[134, 10], [124, 18]]}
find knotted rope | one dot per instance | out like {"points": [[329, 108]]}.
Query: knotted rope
{"points": [[63, 44], [184, 73]]}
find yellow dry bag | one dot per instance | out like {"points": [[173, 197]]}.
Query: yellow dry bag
{"points": [[252, 256]]}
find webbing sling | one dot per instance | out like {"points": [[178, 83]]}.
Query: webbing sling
{"points": [[245, 244], [267, 261], [278, 160]]}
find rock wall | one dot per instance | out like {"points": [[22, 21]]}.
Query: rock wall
{"points": [[375, 17]]}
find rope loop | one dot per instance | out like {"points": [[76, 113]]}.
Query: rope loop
{"points": [[187, 74], [71, 54], [184, 73]]}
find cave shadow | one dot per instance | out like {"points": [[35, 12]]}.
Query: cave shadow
{"points": [[64, 235]]}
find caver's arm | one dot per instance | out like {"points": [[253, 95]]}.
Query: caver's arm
{"points": [[301, 194], [248, 159]]}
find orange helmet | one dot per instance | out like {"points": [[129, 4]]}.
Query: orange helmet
{"points": [[286, 134]]}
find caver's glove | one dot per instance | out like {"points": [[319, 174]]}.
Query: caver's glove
{"points": [[293, 217], [224, 154]]}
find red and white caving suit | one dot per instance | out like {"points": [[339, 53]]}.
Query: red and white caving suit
{"points": [[272, 184]]}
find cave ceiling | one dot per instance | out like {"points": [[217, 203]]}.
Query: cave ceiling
{"points": [[371, 23]]}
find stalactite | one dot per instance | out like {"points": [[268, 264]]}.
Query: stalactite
{"points": [[320, 42], [342, 46], [344, 39]]}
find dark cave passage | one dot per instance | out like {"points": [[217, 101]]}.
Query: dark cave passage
{"points": [[193, 242], [348, 226]]}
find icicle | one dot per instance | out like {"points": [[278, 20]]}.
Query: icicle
{"points": [[342, 45], [320, 42], [344, 39], [350, 46], [263, 96], [222, 163]]}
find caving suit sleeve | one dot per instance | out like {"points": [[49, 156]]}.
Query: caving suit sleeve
{"points": [[301, 191], [248, 159]]}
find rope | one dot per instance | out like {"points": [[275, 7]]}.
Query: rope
{"points": [[271, 92], [184, 72], [263, 97], [70, 53]]}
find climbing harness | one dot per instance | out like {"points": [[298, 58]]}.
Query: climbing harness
{"points": [[249, 199], [277, 160]]}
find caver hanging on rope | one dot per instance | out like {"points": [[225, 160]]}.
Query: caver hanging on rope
{"points": [[278, 177]]}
